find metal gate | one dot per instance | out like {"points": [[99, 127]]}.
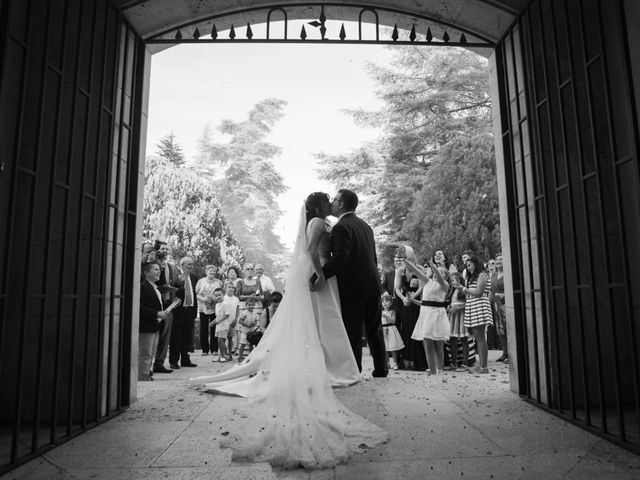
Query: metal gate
{"points": [[571, 154], [69, 94]]}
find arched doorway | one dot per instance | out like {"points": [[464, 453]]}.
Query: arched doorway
{"points": [[72, 123]]}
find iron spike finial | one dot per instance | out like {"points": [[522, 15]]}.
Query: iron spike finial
{"points": [[232, 33], [463, 39], [343, 34], [412, 35], [214, 32], [429, 35], [445, 37], [394, 35], [303, 33], [196, 33], [249, 31], [323, 19], [178, 35]]}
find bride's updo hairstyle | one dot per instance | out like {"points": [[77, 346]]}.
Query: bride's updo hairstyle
{"points": [[314, 203]]}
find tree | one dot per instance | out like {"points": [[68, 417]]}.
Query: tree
{"points": [[431, 98], [169, 149], [182, 209], [457, 206], [246, 180]]}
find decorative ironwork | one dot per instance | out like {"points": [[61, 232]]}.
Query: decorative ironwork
{"points": [[405, 29]]}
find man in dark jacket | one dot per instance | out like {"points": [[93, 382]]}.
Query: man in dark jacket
{"points": [[354, 262], [151, 318], [184, 317]]}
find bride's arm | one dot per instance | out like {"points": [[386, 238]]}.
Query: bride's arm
{"points": [[315, 229]]}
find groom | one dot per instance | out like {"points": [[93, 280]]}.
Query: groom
{"points": [[353, 261]]}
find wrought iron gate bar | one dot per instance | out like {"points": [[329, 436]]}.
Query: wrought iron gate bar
{"points": [[328, 42], [175, 34]]}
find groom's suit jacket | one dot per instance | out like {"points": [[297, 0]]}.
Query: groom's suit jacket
{"points": [[353, 259]]}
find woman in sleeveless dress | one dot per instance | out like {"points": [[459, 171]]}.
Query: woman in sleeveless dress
{"points": [[292, 417], [477, 311], [432, 327]]}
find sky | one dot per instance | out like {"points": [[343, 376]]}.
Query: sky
{"points": [[195, 85]]}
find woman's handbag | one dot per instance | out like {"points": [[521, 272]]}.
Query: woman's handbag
{"points": [[254, 336]]}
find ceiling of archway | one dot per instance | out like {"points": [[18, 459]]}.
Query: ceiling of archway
{"points": [[488, 19]]}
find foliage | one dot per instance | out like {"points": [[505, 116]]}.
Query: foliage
{"points": [[246, 181], [182, 208], [432, 98], [457, 207], [169, 149]]}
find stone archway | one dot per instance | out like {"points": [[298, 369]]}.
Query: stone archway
{"points": [[73, 95]]}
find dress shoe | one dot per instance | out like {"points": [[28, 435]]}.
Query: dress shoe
{"points": [[376, 374], [161, 369], [175, 366], [190, 364]]}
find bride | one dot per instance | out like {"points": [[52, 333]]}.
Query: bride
{"points": [[292, 417]]}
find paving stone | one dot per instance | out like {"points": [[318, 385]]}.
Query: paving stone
{"points": [[467, 426], [117, 445], [249, 472]]}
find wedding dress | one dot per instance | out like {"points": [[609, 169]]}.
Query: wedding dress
{"points": [[291, 417]]}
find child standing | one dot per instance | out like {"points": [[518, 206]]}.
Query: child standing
{"points": [[226, 315], [248, 320], [392, 339], [458, 331]]}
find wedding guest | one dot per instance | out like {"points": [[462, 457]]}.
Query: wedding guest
{"points": [[491, 267], [233, 276], [387, 279], [147, 248], [392, 339], [458, 333], [270, 310], [247, 321], [206, 306], [184, 318], [265, 282], [441, 259], [151, 318], [432, 327], [234, 307], [168, 286], [225, 318], [497, 299], [477, 310], [464, 257], [406, 287], [248, 288]]}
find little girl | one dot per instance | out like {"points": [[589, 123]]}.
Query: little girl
{"points": [[458, 331], [247, 321], [226, 316], [392, 339]]}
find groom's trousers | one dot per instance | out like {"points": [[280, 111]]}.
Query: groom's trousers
{"points": [[368, 313]]}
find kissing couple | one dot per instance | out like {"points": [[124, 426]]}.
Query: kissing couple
{"points": [[292, 417]]}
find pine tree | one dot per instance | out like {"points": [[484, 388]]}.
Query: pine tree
{"points": [[169, 149]]}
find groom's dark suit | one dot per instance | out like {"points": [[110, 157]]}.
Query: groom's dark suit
{"points": [[355, 265]]}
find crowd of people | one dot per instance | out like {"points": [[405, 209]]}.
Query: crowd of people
{"points": [[435, 316], [231, 308]]}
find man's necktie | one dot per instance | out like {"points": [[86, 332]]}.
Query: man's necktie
{"points": [[188, 293]]}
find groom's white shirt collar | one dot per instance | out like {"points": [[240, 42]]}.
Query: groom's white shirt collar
{"points": [[345, 213]]}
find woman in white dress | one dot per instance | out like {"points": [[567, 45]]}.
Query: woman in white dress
{"points": [[432, 326], [292, 417]]}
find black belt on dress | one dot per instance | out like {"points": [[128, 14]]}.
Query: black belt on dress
{"points": [[388, 324], [429, 303]]}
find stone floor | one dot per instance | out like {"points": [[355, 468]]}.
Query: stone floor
{"points": [[467, 426]]}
